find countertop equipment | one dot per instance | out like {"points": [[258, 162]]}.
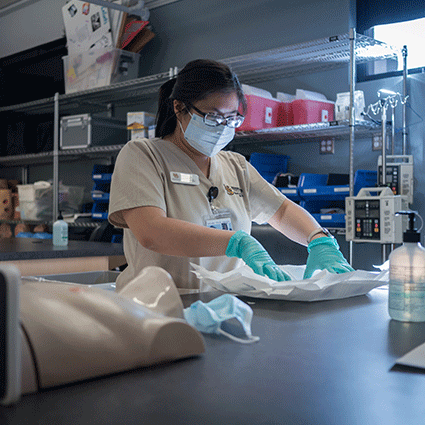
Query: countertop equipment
{"points": [[370, 216], [399, 176]]}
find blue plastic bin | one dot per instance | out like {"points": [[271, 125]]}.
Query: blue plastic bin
{"points": [[100, 191], [364, 178], [100, 211], [330, 220], [291, 193], [316, 194], [269, 164], [102, 170]]}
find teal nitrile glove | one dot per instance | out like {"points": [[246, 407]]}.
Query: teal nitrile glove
{"points": [[324, 253], [247, 248]]}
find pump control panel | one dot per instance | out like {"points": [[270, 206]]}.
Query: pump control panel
{"points": [[399, 175], [370, 216]]}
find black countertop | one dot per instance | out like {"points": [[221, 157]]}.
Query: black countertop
{"points": [[321, 363], [40, 249]]}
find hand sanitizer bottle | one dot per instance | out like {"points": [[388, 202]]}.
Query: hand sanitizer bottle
{"points": [[60, 232], [407, 276]]}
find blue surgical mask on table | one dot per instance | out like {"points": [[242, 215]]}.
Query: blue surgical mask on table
{"points": [[206, 139], [211, 317]]}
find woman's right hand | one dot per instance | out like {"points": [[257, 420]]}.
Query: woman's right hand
{"points": [[247, 248]]}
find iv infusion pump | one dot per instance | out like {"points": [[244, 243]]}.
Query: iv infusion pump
{"points": [[370, 216], [399, 175]]}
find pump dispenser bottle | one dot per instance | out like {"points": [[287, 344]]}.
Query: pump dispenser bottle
{"points": [[407, 276], [60, 232]]}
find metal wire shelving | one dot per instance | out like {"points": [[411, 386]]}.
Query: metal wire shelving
{"points": [[302, 58], [305, 133], [308, 57], [68, 154]]}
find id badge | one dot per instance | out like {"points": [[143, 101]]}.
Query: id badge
{"points": [[220, 219]]}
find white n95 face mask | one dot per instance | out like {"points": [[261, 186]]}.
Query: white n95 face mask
{"points": [[206, 139]]}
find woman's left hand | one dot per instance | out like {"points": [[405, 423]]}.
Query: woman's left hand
{"points": [[324, 254]]}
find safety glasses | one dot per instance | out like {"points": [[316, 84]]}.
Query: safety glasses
{"points": [[213, 120]]}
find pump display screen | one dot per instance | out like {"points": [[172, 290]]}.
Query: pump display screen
{"points": [[367, 219], [3, 316], [392, 179]]}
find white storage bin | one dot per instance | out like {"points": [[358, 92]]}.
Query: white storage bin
{"points": [[36, 200], [98, 68]]}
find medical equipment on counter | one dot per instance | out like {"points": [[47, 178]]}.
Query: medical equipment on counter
{"points": [[406, 297], [399, 175], [72, 332], [370, 217]]}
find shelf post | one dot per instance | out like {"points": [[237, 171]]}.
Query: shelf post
{"points": [[352, 37], [55, 208], [352, 112], [384, 142], [404, 53]]}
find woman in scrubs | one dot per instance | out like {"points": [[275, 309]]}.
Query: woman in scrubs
{"points": [[181, 199]]}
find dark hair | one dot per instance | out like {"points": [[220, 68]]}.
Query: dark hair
{"points": [[194, 82]]}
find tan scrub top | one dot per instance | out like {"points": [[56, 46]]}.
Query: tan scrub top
{"points": [[142, 177]]}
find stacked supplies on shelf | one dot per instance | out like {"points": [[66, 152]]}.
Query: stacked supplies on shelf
{"points": [[102, 176], [265, 111], [305, 107], [323, 195], [103, 45], [141, 125], [36, 200], [262, 109]]}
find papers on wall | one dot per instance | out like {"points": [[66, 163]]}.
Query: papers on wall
{"points": [[87, 26]]}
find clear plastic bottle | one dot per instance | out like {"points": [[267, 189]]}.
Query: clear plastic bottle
{"points": [[60, 232], [406, 300]]}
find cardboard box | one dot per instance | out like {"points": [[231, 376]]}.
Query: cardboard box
{"points": [[140, 120], [143, 133], [6, 204], [141, 124]]}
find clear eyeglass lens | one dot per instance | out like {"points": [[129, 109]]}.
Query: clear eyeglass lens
{"points": [[235, 122], [215, 120]]}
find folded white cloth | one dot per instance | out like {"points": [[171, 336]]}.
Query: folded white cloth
{"points": [[323, 285]]}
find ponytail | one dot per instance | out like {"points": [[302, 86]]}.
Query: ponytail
{"points": [[166, 120]]}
